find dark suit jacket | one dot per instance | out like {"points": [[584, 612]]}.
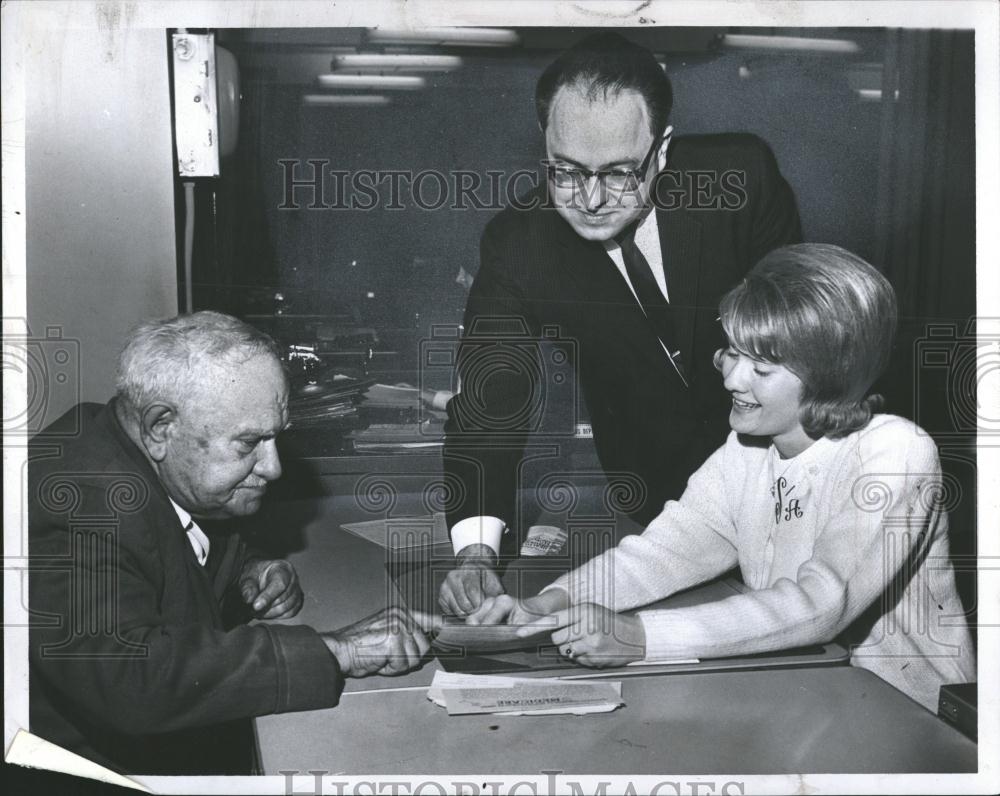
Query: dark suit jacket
{"points": [[131, 664], [537, 278]]}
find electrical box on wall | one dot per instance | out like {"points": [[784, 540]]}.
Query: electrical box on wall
{"points": [[196, 108]]}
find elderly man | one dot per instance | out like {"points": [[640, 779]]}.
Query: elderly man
{"points": [[626, 259], [133, 662]]}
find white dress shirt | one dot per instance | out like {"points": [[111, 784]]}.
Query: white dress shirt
{"points": [[647, 238], [196, 536]]}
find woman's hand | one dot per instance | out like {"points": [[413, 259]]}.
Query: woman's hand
{"points": [[594, 635]]}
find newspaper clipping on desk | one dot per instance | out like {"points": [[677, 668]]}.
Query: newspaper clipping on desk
{"points": [[462, 694]]}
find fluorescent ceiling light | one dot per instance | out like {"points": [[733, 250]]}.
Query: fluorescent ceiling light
{"points": [[743, 41], [394, 82], [345, 99], [874, 94], [457, 37], [383, 62]]}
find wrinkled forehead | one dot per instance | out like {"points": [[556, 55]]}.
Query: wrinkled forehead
{"points": [[606, 126], [239, 391]]}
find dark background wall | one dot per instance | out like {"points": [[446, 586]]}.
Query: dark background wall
{"points": [[825, 137]]}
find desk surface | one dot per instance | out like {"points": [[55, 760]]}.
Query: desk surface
{"points": [[816, 720], [827, 720], [345, 578]]}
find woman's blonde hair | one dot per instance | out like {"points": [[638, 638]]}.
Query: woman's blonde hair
{"points": [[826, 315]]}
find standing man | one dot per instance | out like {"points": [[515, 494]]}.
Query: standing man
{"points": [[134, 663], [626, 259]]}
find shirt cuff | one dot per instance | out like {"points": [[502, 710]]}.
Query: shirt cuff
{"points": [[477, 530], [440, 399]]}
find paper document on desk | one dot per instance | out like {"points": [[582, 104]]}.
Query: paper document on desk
{"points": [[400, 533], [454, 634], [463, 694], [392, 395]]}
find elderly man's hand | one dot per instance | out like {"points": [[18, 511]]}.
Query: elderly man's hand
{"points": [[471, 582], [271, 588], [388, 642]]}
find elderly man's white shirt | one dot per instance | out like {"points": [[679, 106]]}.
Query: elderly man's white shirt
{"points": [[196, 536]]}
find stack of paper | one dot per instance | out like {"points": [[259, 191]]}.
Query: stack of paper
{"points": [[327, 403], [521, 696], [454, 634], [398, 437], [393, 395], [399, 533], [397, 404]]}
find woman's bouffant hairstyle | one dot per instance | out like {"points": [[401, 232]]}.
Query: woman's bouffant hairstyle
{"points": [[826, 315]]}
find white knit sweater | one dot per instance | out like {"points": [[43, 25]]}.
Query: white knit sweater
{"points": [[849, 535]]}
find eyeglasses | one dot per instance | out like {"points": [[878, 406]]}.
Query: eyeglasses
{"points": [[613, 179]]}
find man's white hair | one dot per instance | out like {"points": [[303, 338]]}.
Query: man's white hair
{"points": [[169, 360]]}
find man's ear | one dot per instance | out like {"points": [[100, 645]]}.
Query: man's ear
{"points": [[661, 153], [154, 428]]}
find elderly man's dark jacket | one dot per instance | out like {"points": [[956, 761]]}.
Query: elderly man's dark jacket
{"points": [[131, 663], [721, 205]]}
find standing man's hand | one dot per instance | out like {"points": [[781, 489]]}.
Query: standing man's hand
{"points": [[471, 582], [388, 642], [495, 610], [271, 588]]}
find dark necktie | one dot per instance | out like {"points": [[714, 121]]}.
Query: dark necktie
{"points": [[651, 298]]}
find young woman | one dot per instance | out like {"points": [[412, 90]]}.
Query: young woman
{"points": [[832, 513]]}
